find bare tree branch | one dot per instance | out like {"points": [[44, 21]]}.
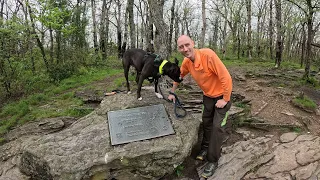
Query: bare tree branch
{"points": [[300, 7], [316, 45]]}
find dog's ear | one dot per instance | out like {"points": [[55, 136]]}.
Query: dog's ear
{"points": [[176, 61]]}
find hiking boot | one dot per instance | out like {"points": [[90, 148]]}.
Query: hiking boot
{"points": [[202, 155], [209, 169]]}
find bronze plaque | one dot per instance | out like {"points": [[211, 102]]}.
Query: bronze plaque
{"points": [[138, 124]]}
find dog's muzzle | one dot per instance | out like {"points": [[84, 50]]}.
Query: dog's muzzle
{"points": [[180, 79]]}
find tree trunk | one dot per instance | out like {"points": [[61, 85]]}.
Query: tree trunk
{"points": [[204, 24], [137, 32], [119, 35], [309, 38], [143, 44], [58, 41], [224, 33], [94, 22], [131, 23], [215, 33], [40, 45], [161, 44], [171, 27], [309, 12], [102, 31], [271, 30], [176, 30], [249, 53], [279, 34], [3, 71], [125, 35], [29, 44], [239, 43], [303, 45], [150, 37], [259, 27], [51, 45]]}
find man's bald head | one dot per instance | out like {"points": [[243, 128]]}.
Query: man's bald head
{"points": [[184, 38], [185, 46]]}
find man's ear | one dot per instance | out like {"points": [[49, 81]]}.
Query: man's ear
{"points": [[176, 61]]}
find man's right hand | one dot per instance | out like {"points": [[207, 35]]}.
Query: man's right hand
{"points": [[172, 98]]}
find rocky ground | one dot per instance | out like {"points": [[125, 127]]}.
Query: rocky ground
{"points": [[273, 140], [269, 94]]}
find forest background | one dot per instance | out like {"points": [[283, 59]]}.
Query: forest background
{"points": [[48, 47]]}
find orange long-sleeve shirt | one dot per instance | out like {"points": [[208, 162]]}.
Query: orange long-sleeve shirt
{"points": [[209, 72]]}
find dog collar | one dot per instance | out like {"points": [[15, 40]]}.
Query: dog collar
{"points": [[161, 66]]}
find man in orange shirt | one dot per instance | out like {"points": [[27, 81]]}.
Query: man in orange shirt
{"points": [[213, 78]]}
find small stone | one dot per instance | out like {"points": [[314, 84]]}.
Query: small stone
{"points": [[288, 137]]}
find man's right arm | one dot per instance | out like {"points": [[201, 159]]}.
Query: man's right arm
{"points": [[171, 97], [184, 71]]}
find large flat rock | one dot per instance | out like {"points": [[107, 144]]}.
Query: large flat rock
{"points": [[84, 150]]}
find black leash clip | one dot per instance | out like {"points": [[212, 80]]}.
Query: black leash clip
{"points": [[177, 104]]}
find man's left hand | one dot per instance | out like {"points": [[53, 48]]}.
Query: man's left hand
{"points": [[221, 103]]}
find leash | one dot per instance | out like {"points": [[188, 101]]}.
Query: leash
{"points": [[177, 104]]}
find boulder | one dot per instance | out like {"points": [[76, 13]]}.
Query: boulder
{"points": [[292, 156], [84, 150]]}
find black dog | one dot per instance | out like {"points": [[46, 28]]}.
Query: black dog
{"points": [[148, 66]]}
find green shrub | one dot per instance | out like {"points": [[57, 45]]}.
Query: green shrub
{"points": [[304, 101], [240, 105], [68, 95], [313, 81], [78, 112], [61, 71], [179, 170], [37, 99], [15, 109]]}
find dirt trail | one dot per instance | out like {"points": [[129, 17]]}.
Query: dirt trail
{"points": [[271, 95]]}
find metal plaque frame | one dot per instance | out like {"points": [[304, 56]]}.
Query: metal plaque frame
{"points": [[139, 123]]}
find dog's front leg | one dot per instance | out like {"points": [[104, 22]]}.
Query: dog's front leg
{"points": [[156, 88], [141, 79], [126, 74], [137, 76]]}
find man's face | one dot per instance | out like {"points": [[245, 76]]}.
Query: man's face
{"points": [[185, 47]]}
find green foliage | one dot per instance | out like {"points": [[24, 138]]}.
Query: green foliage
{"points": [[15, 109], [114, 63], [2, 140], [177, 55], [240, 105], [32, 83], [11, 114], [78, 112], [288, 65], [305, 101], [179, 170], [313, 81], [120, 81], [67, 96], [37, 99], [296, 130], [61, 71], [36, 106], [56, 15]]}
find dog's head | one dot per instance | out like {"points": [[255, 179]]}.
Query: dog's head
{"points": [[173, 71]]}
